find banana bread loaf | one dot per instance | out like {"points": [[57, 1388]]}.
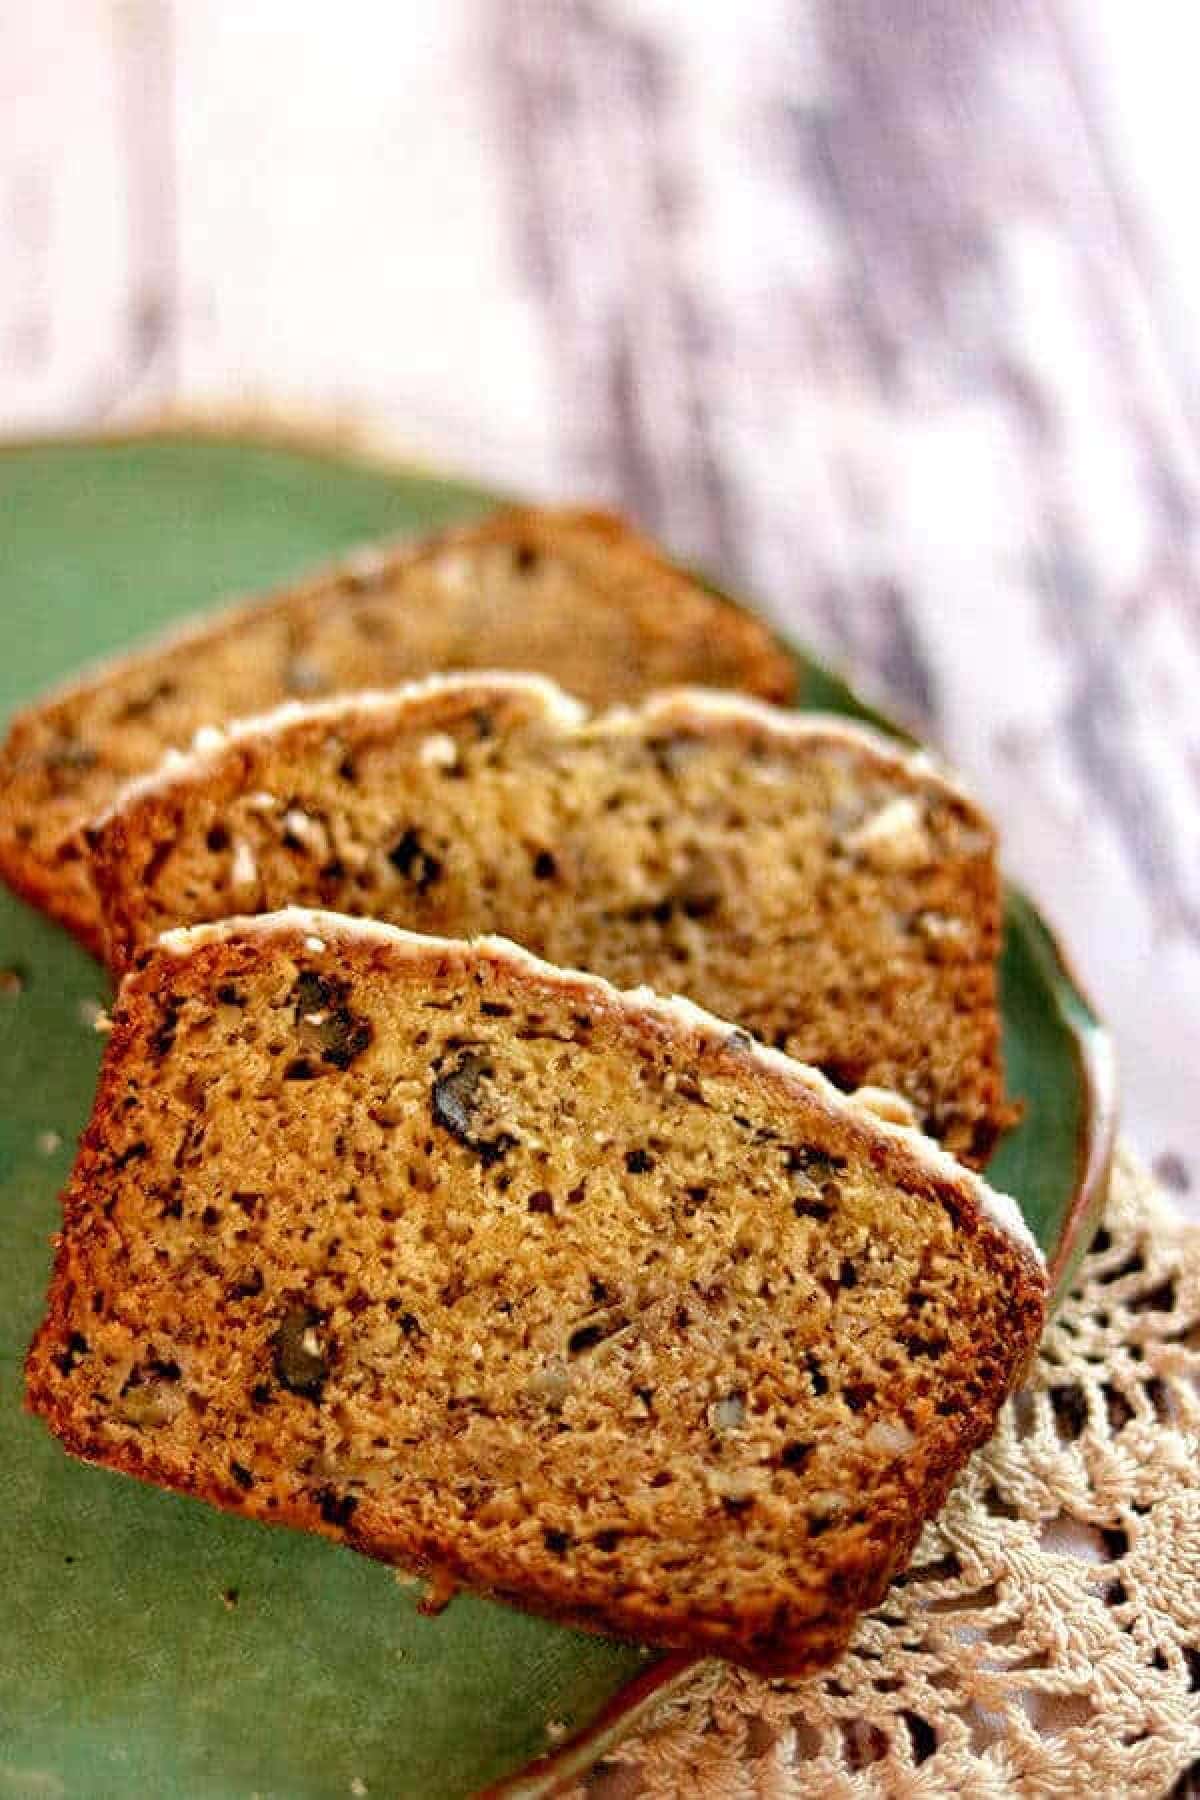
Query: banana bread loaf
{"points": [[577, 594], [577, 1297], [803, 877]]}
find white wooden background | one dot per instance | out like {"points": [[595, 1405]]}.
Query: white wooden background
{"points": [[888, 309]]}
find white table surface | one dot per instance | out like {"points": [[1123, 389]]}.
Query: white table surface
{"points": [[886, 309]]}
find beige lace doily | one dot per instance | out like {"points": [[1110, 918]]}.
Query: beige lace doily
{"points": [[1046, 1640]]}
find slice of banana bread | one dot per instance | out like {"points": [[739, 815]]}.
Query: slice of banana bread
{"points": [[578, 594], [803, 877], [577, 1297]]}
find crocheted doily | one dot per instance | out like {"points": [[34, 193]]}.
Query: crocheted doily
{"points": [[1046, 1640]]}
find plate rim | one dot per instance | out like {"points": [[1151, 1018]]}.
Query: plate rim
{"points": [[1094, 1050], [374, 451]]}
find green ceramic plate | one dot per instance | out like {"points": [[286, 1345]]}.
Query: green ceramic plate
{"points": [[150, 1645]]}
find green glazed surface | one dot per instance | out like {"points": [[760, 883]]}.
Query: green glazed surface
{"points": [[149, 1645]]}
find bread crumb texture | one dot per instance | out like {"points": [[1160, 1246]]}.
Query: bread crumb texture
{"points": [[498, 1274], [837, 898], [577, 594]]}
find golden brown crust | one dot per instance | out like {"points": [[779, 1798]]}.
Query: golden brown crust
{"points": [[745, 1575], [697, 841], [577, 593]]}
